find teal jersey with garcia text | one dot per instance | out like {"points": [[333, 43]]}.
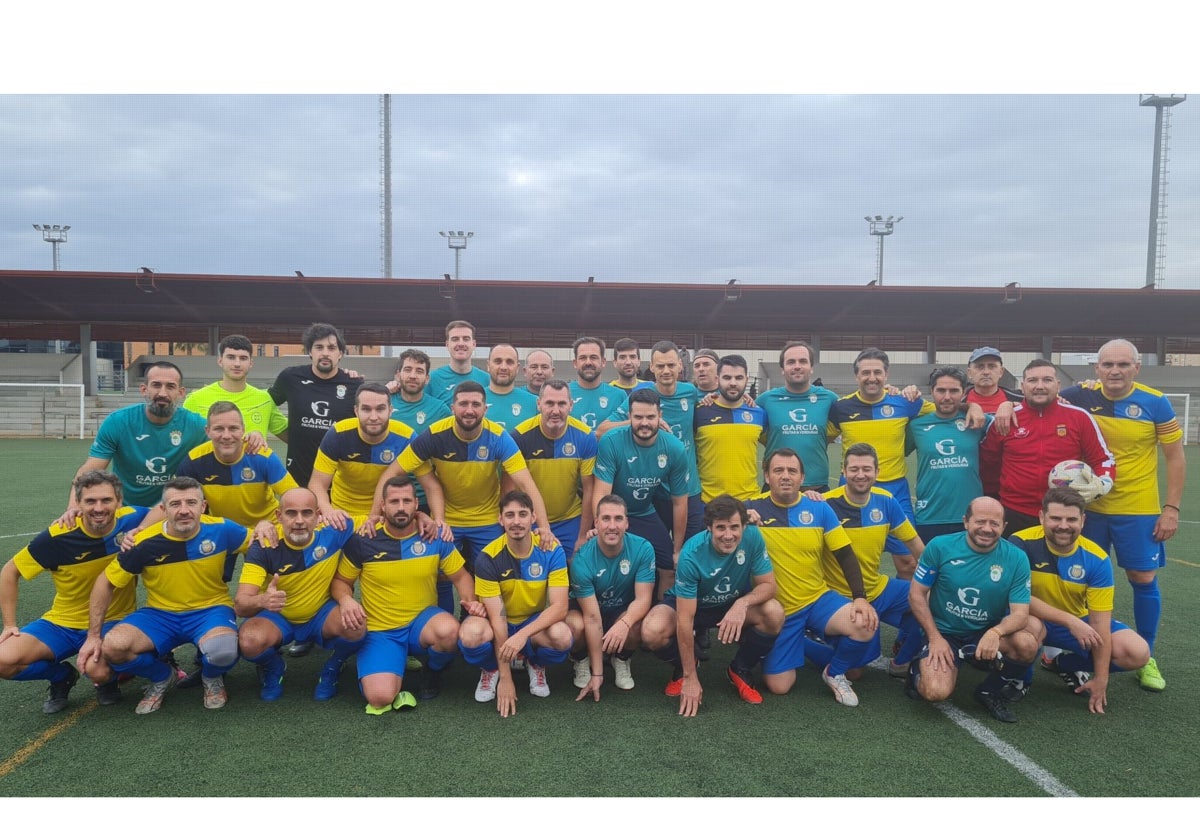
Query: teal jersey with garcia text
{"points": [[592, 406], [145, 455], [968, 591], [947, 467], [611, 580], [678, 411], [507, 410], [636, 472], [717, 580], [799, 421]]}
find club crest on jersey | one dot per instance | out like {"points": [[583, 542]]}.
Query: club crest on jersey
{"points": [[319, 552], [876, 515], [1133, 411], [387, 456], [516, 410], [207, 547], [746, 415], [535, 569], [420, 416], [341, 392], [995, 573], [1075, 572], [624, 565], [887, 411], [662, 462], [568, 449], [806, 517], [247, 473], [604, 402], [418, 548], [960, 424], [1061, 430], [1022, 431], [812, 398], [176, 437], [683, 404], [481, 453], [741, 557]]}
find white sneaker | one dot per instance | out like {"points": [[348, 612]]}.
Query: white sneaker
{"points": [[622, 675], [538, 686], [583, 672], [840, 686], [485, 689]]}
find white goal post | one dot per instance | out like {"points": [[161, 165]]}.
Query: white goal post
{"points": [[22, 414], [1182, 403]]}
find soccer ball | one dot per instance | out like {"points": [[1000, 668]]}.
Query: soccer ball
{"points": [[1077, 476]]}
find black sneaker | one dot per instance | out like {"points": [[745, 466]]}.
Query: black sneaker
{"points": [[1014, 691], [910, 684], [966, 654], [56, 700], [109, 694], [995, 705], [1073, 679], [431, 684], [297, 649]]}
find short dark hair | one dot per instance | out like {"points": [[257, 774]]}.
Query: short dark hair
{"points": [[166, 365], [587, 339], [1063, 496], [94, 478], [733, 360], [952, 372], [235, 342], [221, 407], [624, 344], [646, 395], [319, 330], [416, 356], [665, 346], [873, 353], [470, 386], [453, 325], [612, 499], [812, 354], [782, 452], [1037, 363], [183, 482], [723, 507], [371, 388], [861, 449], [557, 385], [520, 497], [401, 480]]}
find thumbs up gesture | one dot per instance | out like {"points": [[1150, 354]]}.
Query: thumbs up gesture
{"points": [[274, 598]]}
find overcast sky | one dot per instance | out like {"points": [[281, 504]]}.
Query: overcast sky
{"points": [[1044, 190]]}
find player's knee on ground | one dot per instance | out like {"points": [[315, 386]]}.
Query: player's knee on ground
{"points": [[780, 683], [1129, 650], [254, 637], [221, 649], [936, 686], [658, 627], [380, 689], [475, 631]]}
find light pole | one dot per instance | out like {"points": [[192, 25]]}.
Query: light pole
{"points": [[881, 227], [457, 240], [55, 235], [1155, 250]]}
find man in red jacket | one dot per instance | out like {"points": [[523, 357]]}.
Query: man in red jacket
{"points": [[1014, 467]]}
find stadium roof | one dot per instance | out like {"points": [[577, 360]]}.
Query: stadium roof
{"points": [[149, 306]]}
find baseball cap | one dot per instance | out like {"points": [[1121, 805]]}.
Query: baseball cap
{"points": [[982, 352], [712, 354]]}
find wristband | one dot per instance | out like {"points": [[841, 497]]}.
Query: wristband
{"points": [[601, 676], [1172, 507]]}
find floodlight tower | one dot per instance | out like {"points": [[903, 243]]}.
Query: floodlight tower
{"points": [[457, 241], [385, 154], [55, 235], [881, 227], [1156, 249]]}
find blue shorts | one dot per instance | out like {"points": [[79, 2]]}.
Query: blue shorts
{"points": [[387, 651], [62, 641], [169, 630], [472, 539], [891, 605], [788, 652], [649, 527], [1128, 537], [309, 631], [1057, 635], [566, 532]]}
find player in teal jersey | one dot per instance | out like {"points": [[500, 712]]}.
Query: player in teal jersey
{"points": [[626, 361], [507, 405], [947, 456], [724, 580], [612, 584], [460, 343], [637, 461], [235, 358], [74, 555], [798, 413], [144, 443], [411, 405], [593, 400], [971, 595]]}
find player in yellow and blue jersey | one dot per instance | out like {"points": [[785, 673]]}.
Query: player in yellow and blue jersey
{"points": [[727, 433], [522, 583], [75, 556], [1136, 421]]}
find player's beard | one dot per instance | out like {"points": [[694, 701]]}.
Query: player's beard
{"points": [[158, 408]]}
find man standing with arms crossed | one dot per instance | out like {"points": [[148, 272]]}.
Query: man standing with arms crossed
{"points": [[1136, 422]]}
